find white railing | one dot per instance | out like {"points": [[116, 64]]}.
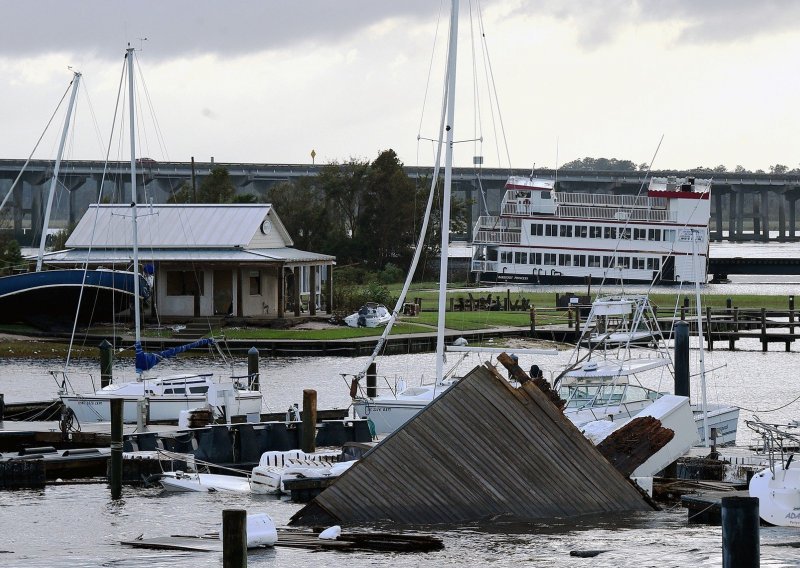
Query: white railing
{"points": [[517, 208], [613, 214], [484, 266], [606, 200], [495, 222], [484, 237]]}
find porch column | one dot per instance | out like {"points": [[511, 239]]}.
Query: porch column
{"points": [[296, 291], [312, 286], [329, 282], [281, 290]]}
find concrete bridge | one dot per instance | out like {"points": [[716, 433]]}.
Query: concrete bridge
{"points": [[760, 207]]}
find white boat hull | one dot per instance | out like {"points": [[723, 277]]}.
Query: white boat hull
{"points": [[778, 495], [204, 482], [97, 407]]}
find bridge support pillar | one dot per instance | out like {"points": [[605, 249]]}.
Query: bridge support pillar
{"points": [[781, 217], [739, 213], [765, 215], [717, 216], [756, 217], [792, 218]]}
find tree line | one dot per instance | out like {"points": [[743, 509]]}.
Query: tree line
{"points": [[613, 164], [363, 213]]}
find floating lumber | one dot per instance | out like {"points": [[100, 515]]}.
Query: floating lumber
{"points": [[482, 449], [289, 538]]}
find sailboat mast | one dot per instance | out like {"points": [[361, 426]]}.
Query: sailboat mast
{"points": [[75, 82], [134, 229], [448, 179], [695, 236]]}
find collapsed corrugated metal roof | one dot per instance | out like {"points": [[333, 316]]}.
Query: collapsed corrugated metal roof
{"points": [[482, 449]]}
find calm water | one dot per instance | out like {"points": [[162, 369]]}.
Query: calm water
{"points": [[78, 525]]}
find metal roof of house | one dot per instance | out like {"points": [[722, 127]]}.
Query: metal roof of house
{"points": [[173, 226], [125, 256]]}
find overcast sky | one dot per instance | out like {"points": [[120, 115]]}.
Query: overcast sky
{"points": [[270, 81]]}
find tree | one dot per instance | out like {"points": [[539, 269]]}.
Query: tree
{"points": [[778, 169], [301, 207], [720, 169], [10, 254], [600, 164], [343, 186], [740, 170], [217, 187], [387, 213]]}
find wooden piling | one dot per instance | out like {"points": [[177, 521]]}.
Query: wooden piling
{"points": [[740, 532], [252, 369], [234, 538], [106, 363], [533, 320], [764, 329], [791, 314], [372, 380], [308, 444], [116, 447]]}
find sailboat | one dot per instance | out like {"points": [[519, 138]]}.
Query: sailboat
{"points": [[388, 412], [166, 397], [44, 296]]}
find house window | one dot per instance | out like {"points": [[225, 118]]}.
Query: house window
{"points": [[537, 229], [255, 283], [549, 258], [184, 283]]}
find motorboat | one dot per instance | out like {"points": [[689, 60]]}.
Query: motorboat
{"points": [[778, 485], [275, 467], [369, 315]]}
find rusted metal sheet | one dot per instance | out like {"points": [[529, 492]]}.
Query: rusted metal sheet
{"points": [[634, 443], [482, 449]]}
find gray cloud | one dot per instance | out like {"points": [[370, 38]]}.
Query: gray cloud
{"points": [[702, 21], [190, 27]]}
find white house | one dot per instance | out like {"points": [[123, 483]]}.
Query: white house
{"points": [[234, 259]]}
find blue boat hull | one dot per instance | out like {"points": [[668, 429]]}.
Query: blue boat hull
{"points": [[52, 296]]}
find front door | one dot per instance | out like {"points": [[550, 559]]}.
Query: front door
{"points": [[223, 292]]}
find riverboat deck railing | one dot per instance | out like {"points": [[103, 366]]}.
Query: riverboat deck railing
{"points": [[615, 214], [484, 266], [489, 237], [606, 200]]}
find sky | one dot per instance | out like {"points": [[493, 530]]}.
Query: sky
{"points": [[679, 83]]}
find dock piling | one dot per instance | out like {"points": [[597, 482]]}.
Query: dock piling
{"points": [[252, 369], [372, 380], [106, 363], [682, 359], [116, 447], [308, 443], [740, 532], [234, 538]]}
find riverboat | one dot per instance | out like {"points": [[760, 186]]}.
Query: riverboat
{"points": [[547, 236]]}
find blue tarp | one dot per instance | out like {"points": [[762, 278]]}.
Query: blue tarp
{"points": [[146, 361]]}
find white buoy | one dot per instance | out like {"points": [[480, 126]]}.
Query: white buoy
{"points": [[331, 533]]}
